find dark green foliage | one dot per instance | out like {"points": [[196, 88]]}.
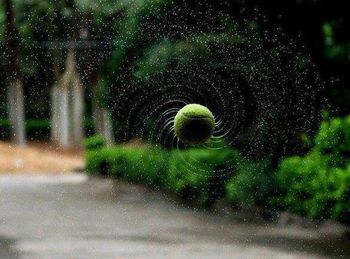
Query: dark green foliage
{"points": [[94, 142], [193, 174], [4, 128], [38, 129], [262, 88], [252, 183], [99, 162], [318, 184], [333, 138], [139, 164], [35, 129]]}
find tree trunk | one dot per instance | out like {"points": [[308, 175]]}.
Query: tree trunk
{"points": [[77, 111], [60, 121], [64, 136], [97, 117], [68, 106], [13, 78], [103, 124], [101, 116], [16, 112], [60, 126], [54, 114], [107, 128]]}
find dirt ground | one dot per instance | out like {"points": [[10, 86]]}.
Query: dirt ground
{"points": [[38, 157]]}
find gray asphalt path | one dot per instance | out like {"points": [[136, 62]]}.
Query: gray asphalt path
{"points": [[71, 216]]}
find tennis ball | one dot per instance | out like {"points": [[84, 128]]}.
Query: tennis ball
{"points": [[194, 124]]}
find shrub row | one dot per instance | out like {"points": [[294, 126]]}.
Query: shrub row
{"points": [[192, 173], [316, 185], [133, 164], [35, 128], [94, 142], [38, 129]]}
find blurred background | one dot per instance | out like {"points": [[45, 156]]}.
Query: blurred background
{"points": [[93, 87]]}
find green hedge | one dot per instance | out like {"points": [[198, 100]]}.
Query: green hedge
{"points": [[190, 173], [94, 142], [139, 164], [253, 183], [199, 174], [318, 184], [35, 128], [38, 129]]}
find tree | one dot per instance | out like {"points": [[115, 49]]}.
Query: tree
{"points": [[261, 83], [69, 114], [68, 93], [13, 77], [61, 32]]}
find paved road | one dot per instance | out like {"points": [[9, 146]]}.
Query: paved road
{"points": [[72, 217]]}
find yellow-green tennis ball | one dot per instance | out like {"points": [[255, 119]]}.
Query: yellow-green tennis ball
{"points": [[194, 124]]}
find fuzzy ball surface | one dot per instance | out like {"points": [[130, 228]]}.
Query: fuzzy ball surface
{"points": [[194, 124]]}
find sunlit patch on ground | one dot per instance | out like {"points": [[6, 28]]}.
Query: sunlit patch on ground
{"points": [[36, 158]]}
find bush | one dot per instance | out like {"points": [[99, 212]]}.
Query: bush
{"points": [[252, 184], [35, 129], [94, 142], [89, 127], [318, 184], [333, 139], [100, 162], [199, 173], [38, 129], [193, 174], [140, 164], [4, 128]]}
